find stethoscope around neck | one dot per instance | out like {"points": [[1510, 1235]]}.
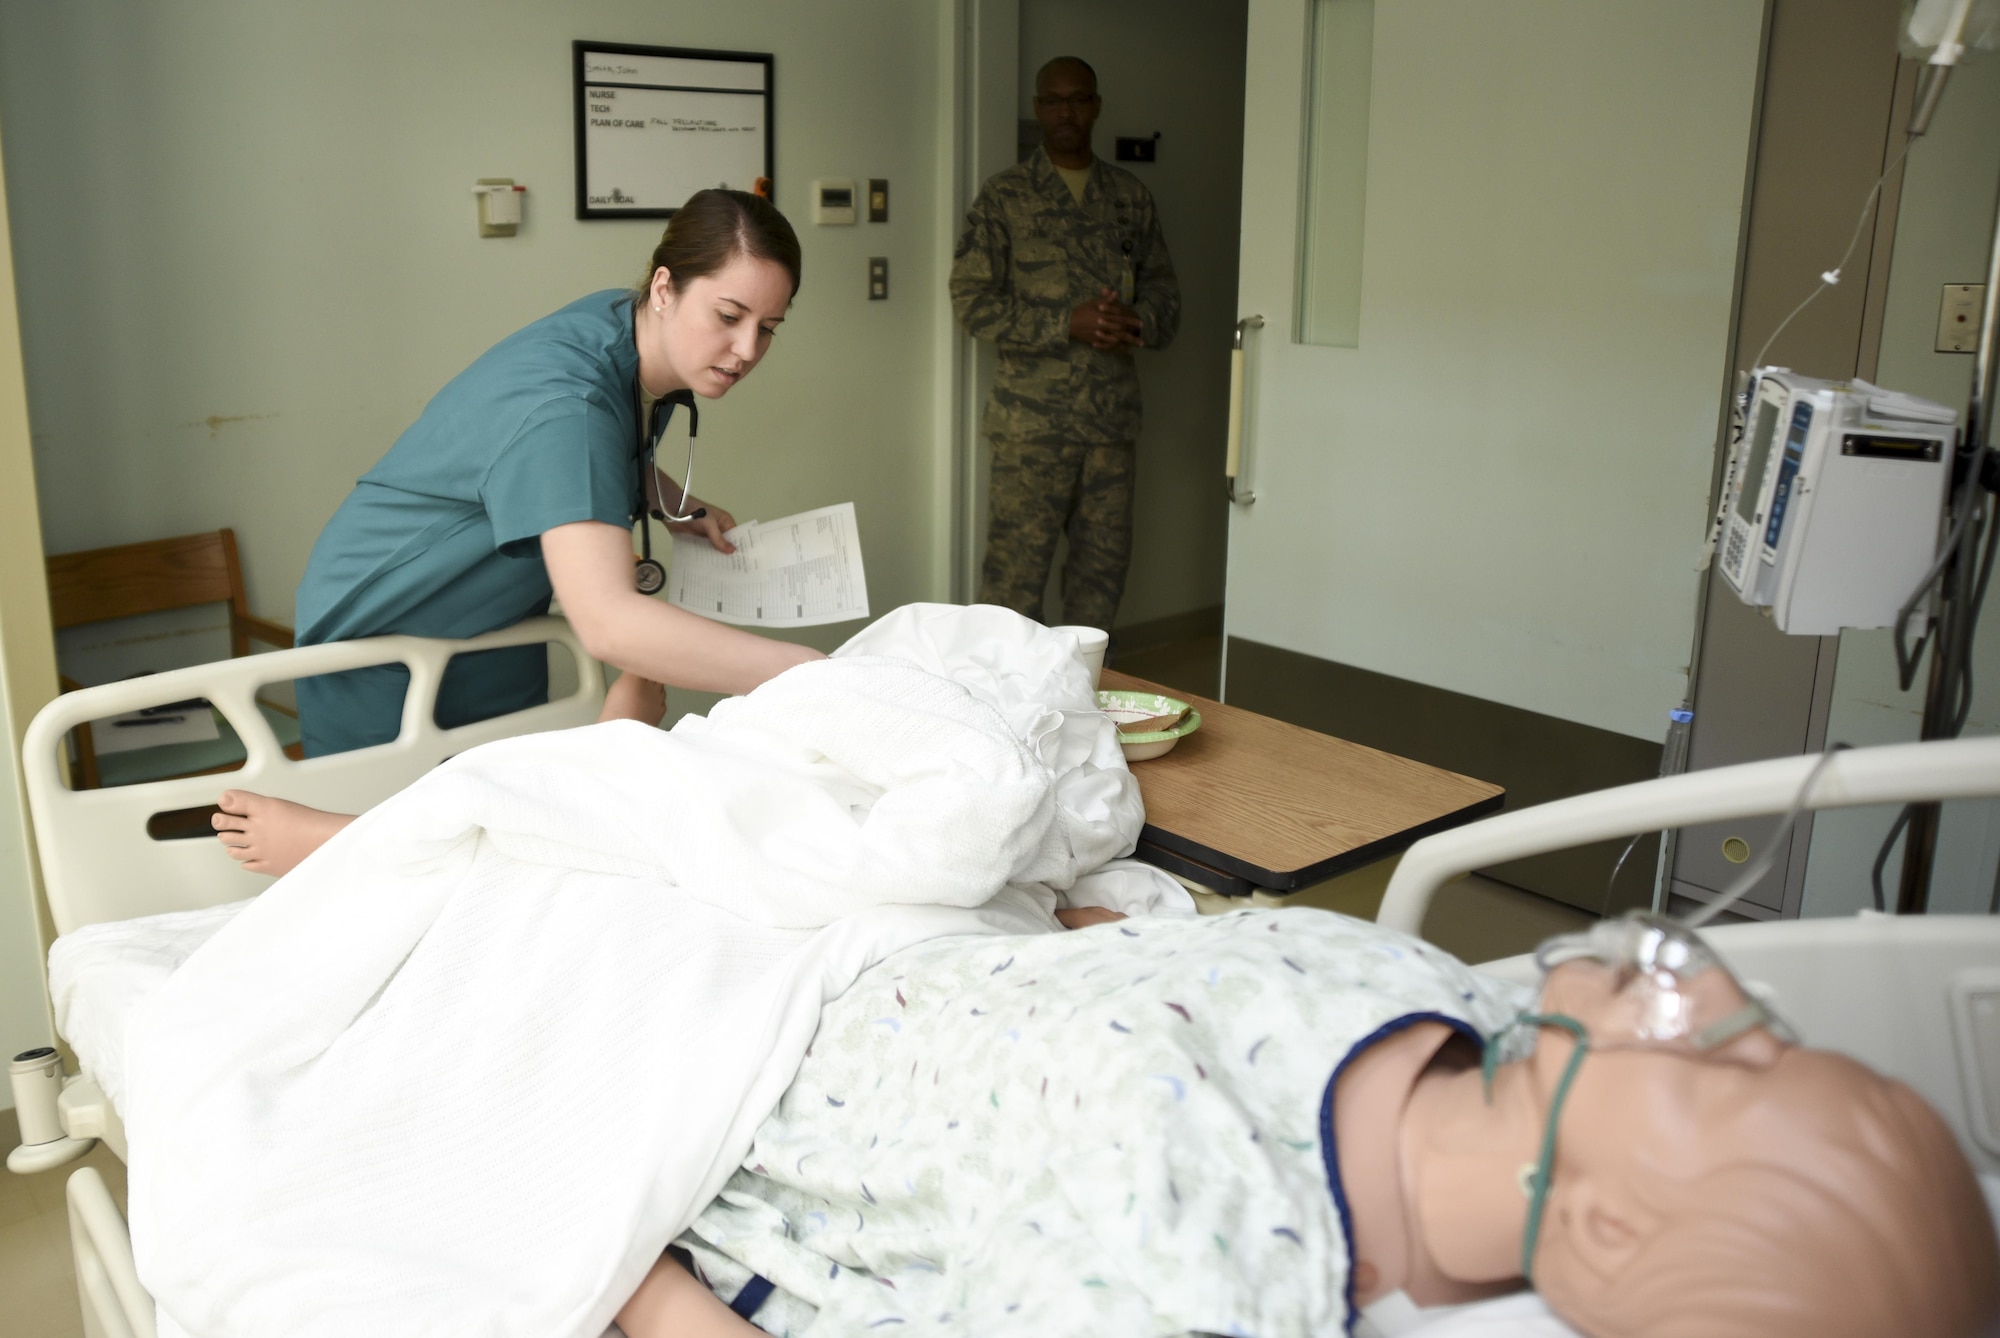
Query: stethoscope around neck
{"points": [[649, 576]]}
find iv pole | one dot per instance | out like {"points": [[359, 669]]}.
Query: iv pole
{"points": [[1957, 593]]}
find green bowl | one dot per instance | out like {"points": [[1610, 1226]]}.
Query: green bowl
{"points": [[1140, 705]]}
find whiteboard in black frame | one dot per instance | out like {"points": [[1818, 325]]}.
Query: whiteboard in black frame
{"points": [[655, 124]]}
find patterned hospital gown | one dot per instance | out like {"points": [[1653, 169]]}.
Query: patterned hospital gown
{"points": [[1121, 1130]]}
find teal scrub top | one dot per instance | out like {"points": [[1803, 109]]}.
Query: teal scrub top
{"points": [[442, 538]]}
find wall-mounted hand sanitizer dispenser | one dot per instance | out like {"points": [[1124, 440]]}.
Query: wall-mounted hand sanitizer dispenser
{"points": [[499, 206]]}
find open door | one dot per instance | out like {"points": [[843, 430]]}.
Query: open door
{"points": [[1495, 249]]}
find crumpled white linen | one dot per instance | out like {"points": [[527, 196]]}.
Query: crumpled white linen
{"points": [[1032, 675], [471, 1065]]}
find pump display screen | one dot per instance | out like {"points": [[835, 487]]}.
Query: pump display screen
{"points": [[1761, 437], [1788, 472]]}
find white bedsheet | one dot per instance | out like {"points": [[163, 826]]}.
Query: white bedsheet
{"points": [[470, 1066], [100, 974]]}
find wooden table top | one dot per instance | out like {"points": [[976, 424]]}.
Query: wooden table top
{"points": [[1283, 807]]}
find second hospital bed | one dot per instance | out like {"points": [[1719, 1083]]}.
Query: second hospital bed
{"points": [[1916, 998]]}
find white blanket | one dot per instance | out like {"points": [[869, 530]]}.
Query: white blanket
{"points": [[468, 1068]]}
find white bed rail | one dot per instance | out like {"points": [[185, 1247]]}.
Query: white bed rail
{"points": [[100, 863], [1901, 773], [107, 1282]]}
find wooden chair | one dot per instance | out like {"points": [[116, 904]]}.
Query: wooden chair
{"points": [[155, 577]]}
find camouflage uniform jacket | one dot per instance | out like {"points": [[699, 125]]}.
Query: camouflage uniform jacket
{"points": [[1029, 256]]}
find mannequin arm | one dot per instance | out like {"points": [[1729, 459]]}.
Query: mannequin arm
{"points": [[670, 1303]]}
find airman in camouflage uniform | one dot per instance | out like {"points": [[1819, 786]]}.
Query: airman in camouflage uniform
{"points": [[1066, 288]]}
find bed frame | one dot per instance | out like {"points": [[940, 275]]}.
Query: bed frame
{"points": [[118, 853], [1917, 998], [113, 854], [1914, 997]]}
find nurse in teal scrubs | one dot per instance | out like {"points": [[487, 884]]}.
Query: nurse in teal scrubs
{"points": [[523, 476]]}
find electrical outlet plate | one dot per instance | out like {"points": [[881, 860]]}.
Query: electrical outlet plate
{"points": [[1958, 317], [878, 278], [1132, 149]]}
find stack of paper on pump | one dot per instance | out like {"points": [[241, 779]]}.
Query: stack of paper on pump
{"points": [[796, 572], [1909, 408]]}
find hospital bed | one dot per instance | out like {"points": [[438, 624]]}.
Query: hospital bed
{"points": [[1918, 999]]}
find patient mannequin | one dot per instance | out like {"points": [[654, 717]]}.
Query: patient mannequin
{"points": [[1762, 1189], [1758, 1189]]}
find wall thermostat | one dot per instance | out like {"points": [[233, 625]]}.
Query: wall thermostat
{"points": [[833, 201]]}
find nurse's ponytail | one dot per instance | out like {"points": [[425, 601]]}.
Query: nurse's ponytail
{"points": [[716, 226]]}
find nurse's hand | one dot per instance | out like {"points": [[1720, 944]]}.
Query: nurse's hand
{"points": [[710, 527]]}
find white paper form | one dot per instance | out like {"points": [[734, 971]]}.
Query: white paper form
{"points": [[797, 572], [134, 730]]}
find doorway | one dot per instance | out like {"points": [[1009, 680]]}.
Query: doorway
{"points": [[1494, 248], [1171, 73]]}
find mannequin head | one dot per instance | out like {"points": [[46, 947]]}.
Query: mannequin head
{"points": [[1762, 1189]]}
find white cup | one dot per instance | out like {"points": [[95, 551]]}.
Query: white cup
{"points": [[1090, 644]]}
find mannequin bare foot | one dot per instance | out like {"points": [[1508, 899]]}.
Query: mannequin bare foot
{"points": [[272, 836], [634, 698]]}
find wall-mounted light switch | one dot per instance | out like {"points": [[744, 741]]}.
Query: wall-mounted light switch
{"points": [[1958, 318], [878, 199], [878, 278]]}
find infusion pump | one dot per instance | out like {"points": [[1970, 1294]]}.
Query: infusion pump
{"points": [[1834, 500]]}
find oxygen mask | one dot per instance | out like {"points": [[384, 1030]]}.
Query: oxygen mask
{"points": [[1667, 988], [1638, 982]]}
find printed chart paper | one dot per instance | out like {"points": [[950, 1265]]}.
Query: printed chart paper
{"points": [[797, 572], [134, 730]]}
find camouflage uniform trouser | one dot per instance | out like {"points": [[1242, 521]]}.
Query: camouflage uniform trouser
{"points": [[1041, 490]]}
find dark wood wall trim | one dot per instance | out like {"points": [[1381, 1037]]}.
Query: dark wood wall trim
{"points": [[1175, 627]]}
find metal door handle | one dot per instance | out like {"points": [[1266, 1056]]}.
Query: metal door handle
{"points": [[1233, 461]]}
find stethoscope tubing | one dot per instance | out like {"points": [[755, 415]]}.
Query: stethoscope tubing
{"points": [[649, 574]]}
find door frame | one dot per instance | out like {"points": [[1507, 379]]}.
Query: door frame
{"points": [[979, 105], [1785, 49]]}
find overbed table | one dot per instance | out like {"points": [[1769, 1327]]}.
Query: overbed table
{"points": [[1247, 804]]}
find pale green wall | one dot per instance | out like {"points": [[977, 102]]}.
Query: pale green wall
{"points": [[247, 254], [1175, 66], [27, 679], [1944, 226]]}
